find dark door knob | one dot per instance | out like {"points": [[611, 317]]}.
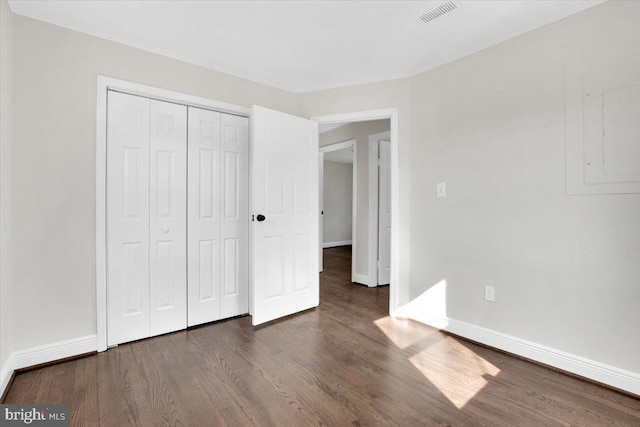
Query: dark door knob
{"points": [[261, 218]]}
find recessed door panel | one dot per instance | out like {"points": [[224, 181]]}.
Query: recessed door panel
{"points": [[164, 274], [231, 181], [274, 183], [133, 181], [208, 271], [274, 267], [231, 267], [301, 183], [165, 181], [132, 276], [207, 196], [168, 222], [301, 272]]}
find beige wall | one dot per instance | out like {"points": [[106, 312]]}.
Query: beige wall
{"points": [[54, 171], [6, 55], [566, 269], [360, 131], [337, 206]]}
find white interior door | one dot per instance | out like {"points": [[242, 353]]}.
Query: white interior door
{"points": [[384, 214], [218, 211], [285, 209], [127, 218], [168, 218]]}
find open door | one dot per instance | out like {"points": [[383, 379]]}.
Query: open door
{"points": [[284, 215]]}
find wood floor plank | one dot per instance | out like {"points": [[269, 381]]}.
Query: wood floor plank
{"points": [[344, 363]]}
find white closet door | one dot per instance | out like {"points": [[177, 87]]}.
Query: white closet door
{"points": [[218, 254], [168, 217], [384, 214], [285, 203], [203, 213], [234, 215], [127, 218]]}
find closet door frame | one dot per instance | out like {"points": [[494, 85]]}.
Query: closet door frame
{"points": [[105, 84]]}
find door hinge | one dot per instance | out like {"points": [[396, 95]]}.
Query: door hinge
{"points": [[253, 218]]}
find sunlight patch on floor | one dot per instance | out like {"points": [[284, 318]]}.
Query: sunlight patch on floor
{"points": [[403, 332], [467, 368]]}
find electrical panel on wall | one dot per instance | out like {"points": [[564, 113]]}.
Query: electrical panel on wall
{"points": [[603, 125]]}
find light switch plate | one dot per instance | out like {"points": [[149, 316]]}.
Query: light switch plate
{"points": [[489, 293]]}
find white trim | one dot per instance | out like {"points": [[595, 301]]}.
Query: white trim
{"points": [[338, 146], [373, 203], [54, 351], [603, 373], [5, 374], [392, 115], [103, 85], [361, 279], [45, 354], [336, 244]]}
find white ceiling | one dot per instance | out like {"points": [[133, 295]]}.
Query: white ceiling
{"points": [[303, 46]]}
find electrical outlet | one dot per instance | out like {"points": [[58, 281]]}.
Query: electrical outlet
{"points": [[489, 293], [441, 189]]}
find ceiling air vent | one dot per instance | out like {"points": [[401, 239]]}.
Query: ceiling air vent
{"points": [[438, 11]]}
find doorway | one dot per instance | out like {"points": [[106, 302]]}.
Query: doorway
{"points": [[369, 274], [338, 186]]}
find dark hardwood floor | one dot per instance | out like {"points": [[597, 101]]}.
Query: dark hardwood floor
{"points": [[344, 363]]}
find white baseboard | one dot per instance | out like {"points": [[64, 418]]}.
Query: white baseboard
{"points": [[54, 351], [326, 245], [5, 374], [362, 279], [606, 374]]}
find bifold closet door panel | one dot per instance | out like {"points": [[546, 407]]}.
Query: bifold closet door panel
{"points": [[218, 216], [168, 217], [203, 216], [127, 218], [234, 216]]}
